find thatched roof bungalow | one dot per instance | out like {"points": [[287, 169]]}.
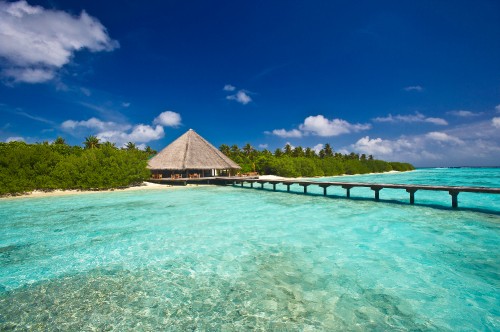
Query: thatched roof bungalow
{"points": [[191, 156]]}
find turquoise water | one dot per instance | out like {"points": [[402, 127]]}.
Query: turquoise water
{"points": [[224, 258]]}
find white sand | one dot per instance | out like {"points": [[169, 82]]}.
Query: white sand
{"points": [[58, 192]]}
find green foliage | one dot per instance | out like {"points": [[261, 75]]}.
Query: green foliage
{"points": [[25, 167], [299, 162]]}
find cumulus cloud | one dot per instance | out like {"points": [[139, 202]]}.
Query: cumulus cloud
{"points": [[140, 134], [417, 117], [497, 108], [168, 119], [463, 113], [122, 133], [444, 137], [287, 134], [229, 87], [15, 139], [473, 144], [94, 123], [417, 88], [318, 125], [495, 122], [321, 126], [36, 42], [241, 97], [263, 146]]}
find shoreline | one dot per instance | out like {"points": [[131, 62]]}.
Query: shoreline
{"points": [[149, 186], [59, 192]]}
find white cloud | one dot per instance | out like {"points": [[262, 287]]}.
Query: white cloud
{"points": [[125, 104], [417, 88], [241, 97], [376, 146], [417, 117], [463, 113], [444, 137], [286, 134], [318, 125], [140, 134], [229, 87], [263, 146], [15, 139], [317, 148], [471, 144], [495, 122], [29, 75], [321, 126], [94, 123], [120, 133], [168, 119], [497, 108], [36, 42]]}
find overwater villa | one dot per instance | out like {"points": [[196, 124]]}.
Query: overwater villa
{"points": [[191, 156]]}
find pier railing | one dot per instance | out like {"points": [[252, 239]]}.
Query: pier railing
{"points": [[376, 187]]}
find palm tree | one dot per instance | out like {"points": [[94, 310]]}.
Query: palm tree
{"points": [[248, 149], [278, 152], [298, 152], [225, 149], [310, 153], [235, 150], [109, 144], [288, 149], [91, 142], [150, 151], [130, 146], [59, 141], [328, 150]]}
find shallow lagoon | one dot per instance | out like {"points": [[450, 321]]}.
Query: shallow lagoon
{"points": [[223, 258]]}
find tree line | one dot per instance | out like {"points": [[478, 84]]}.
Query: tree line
{"points": [[43, 166], [57, 165], [300, 162]]}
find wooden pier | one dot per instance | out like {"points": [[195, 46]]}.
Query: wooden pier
{"points": [[376, 187]]}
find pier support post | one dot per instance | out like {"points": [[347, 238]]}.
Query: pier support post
{"points": [[287, 187], [377, 192], [324, 188], [348, 191], [274, 186], [454, 199], [262, 185], [241, 183], [305, 187], [251, 184], [412, 194]]}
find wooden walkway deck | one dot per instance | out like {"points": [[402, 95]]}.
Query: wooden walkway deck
{"points": [[376, 187]]}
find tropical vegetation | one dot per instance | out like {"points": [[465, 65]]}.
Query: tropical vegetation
{"points": [[300, 162], [43, 166], [101, 165]]}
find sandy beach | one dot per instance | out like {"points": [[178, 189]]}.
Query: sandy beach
{"points": [[38, 193]]}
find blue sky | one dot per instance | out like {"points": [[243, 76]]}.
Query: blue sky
{"points": [[415, 81]]}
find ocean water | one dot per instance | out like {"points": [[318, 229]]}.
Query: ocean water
{"points": [[233, 259]]}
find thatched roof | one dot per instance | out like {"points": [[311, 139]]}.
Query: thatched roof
{"points": [[191, 151]]}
